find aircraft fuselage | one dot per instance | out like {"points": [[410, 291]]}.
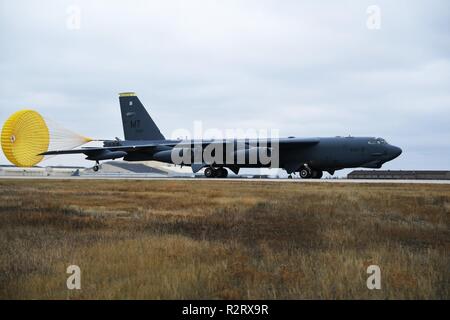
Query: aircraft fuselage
{"points": [[310, 157], [326, 154]]}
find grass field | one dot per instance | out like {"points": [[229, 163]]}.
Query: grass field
{"points": [[223, 240]]}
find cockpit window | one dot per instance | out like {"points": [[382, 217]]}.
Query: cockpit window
{"points": [[377, 141]]}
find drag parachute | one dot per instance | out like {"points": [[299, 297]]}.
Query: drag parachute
{"points": [[26, 134]]}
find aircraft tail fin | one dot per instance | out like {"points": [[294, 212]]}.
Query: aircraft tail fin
{"points": [[137, 123]]}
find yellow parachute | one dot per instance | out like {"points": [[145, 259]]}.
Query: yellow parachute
{"points": [[26, 134]]}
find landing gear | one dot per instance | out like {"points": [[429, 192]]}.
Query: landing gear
{"points": [[211, 172], [96, 167], [316, 174], [305, 173], [308, 173], [222, 173]]}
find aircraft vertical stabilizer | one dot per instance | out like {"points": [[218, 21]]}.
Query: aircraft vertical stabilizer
{"points": [[137, 123]]}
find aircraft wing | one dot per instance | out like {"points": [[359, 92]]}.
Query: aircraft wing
{"points": [[299, 141], [282, 141], [290, 142], [126, 148], [93, 150]]}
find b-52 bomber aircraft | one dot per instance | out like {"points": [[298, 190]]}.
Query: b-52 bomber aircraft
{"points": [[309, 157]]}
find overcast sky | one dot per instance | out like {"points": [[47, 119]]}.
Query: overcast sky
{"points": [[304, 68]]}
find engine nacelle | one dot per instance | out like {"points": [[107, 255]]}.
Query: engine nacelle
{"points": [[106, 155], [163, 156]]}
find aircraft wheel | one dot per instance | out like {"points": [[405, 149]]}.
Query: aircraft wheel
{"points": [[289, 176], [221, 173], [316, 174], [96, 168], [210, 172], [305, 173]]}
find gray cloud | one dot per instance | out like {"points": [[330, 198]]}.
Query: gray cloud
{"points": [[307, 69]]}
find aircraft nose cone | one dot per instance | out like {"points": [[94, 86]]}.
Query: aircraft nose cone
{"points": [[396, 152]]}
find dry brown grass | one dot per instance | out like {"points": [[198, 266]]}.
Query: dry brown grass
{"points": [[223, 240]]}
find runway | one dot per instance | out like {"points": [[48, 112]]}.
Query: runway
{"points": [[295, 180]]}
